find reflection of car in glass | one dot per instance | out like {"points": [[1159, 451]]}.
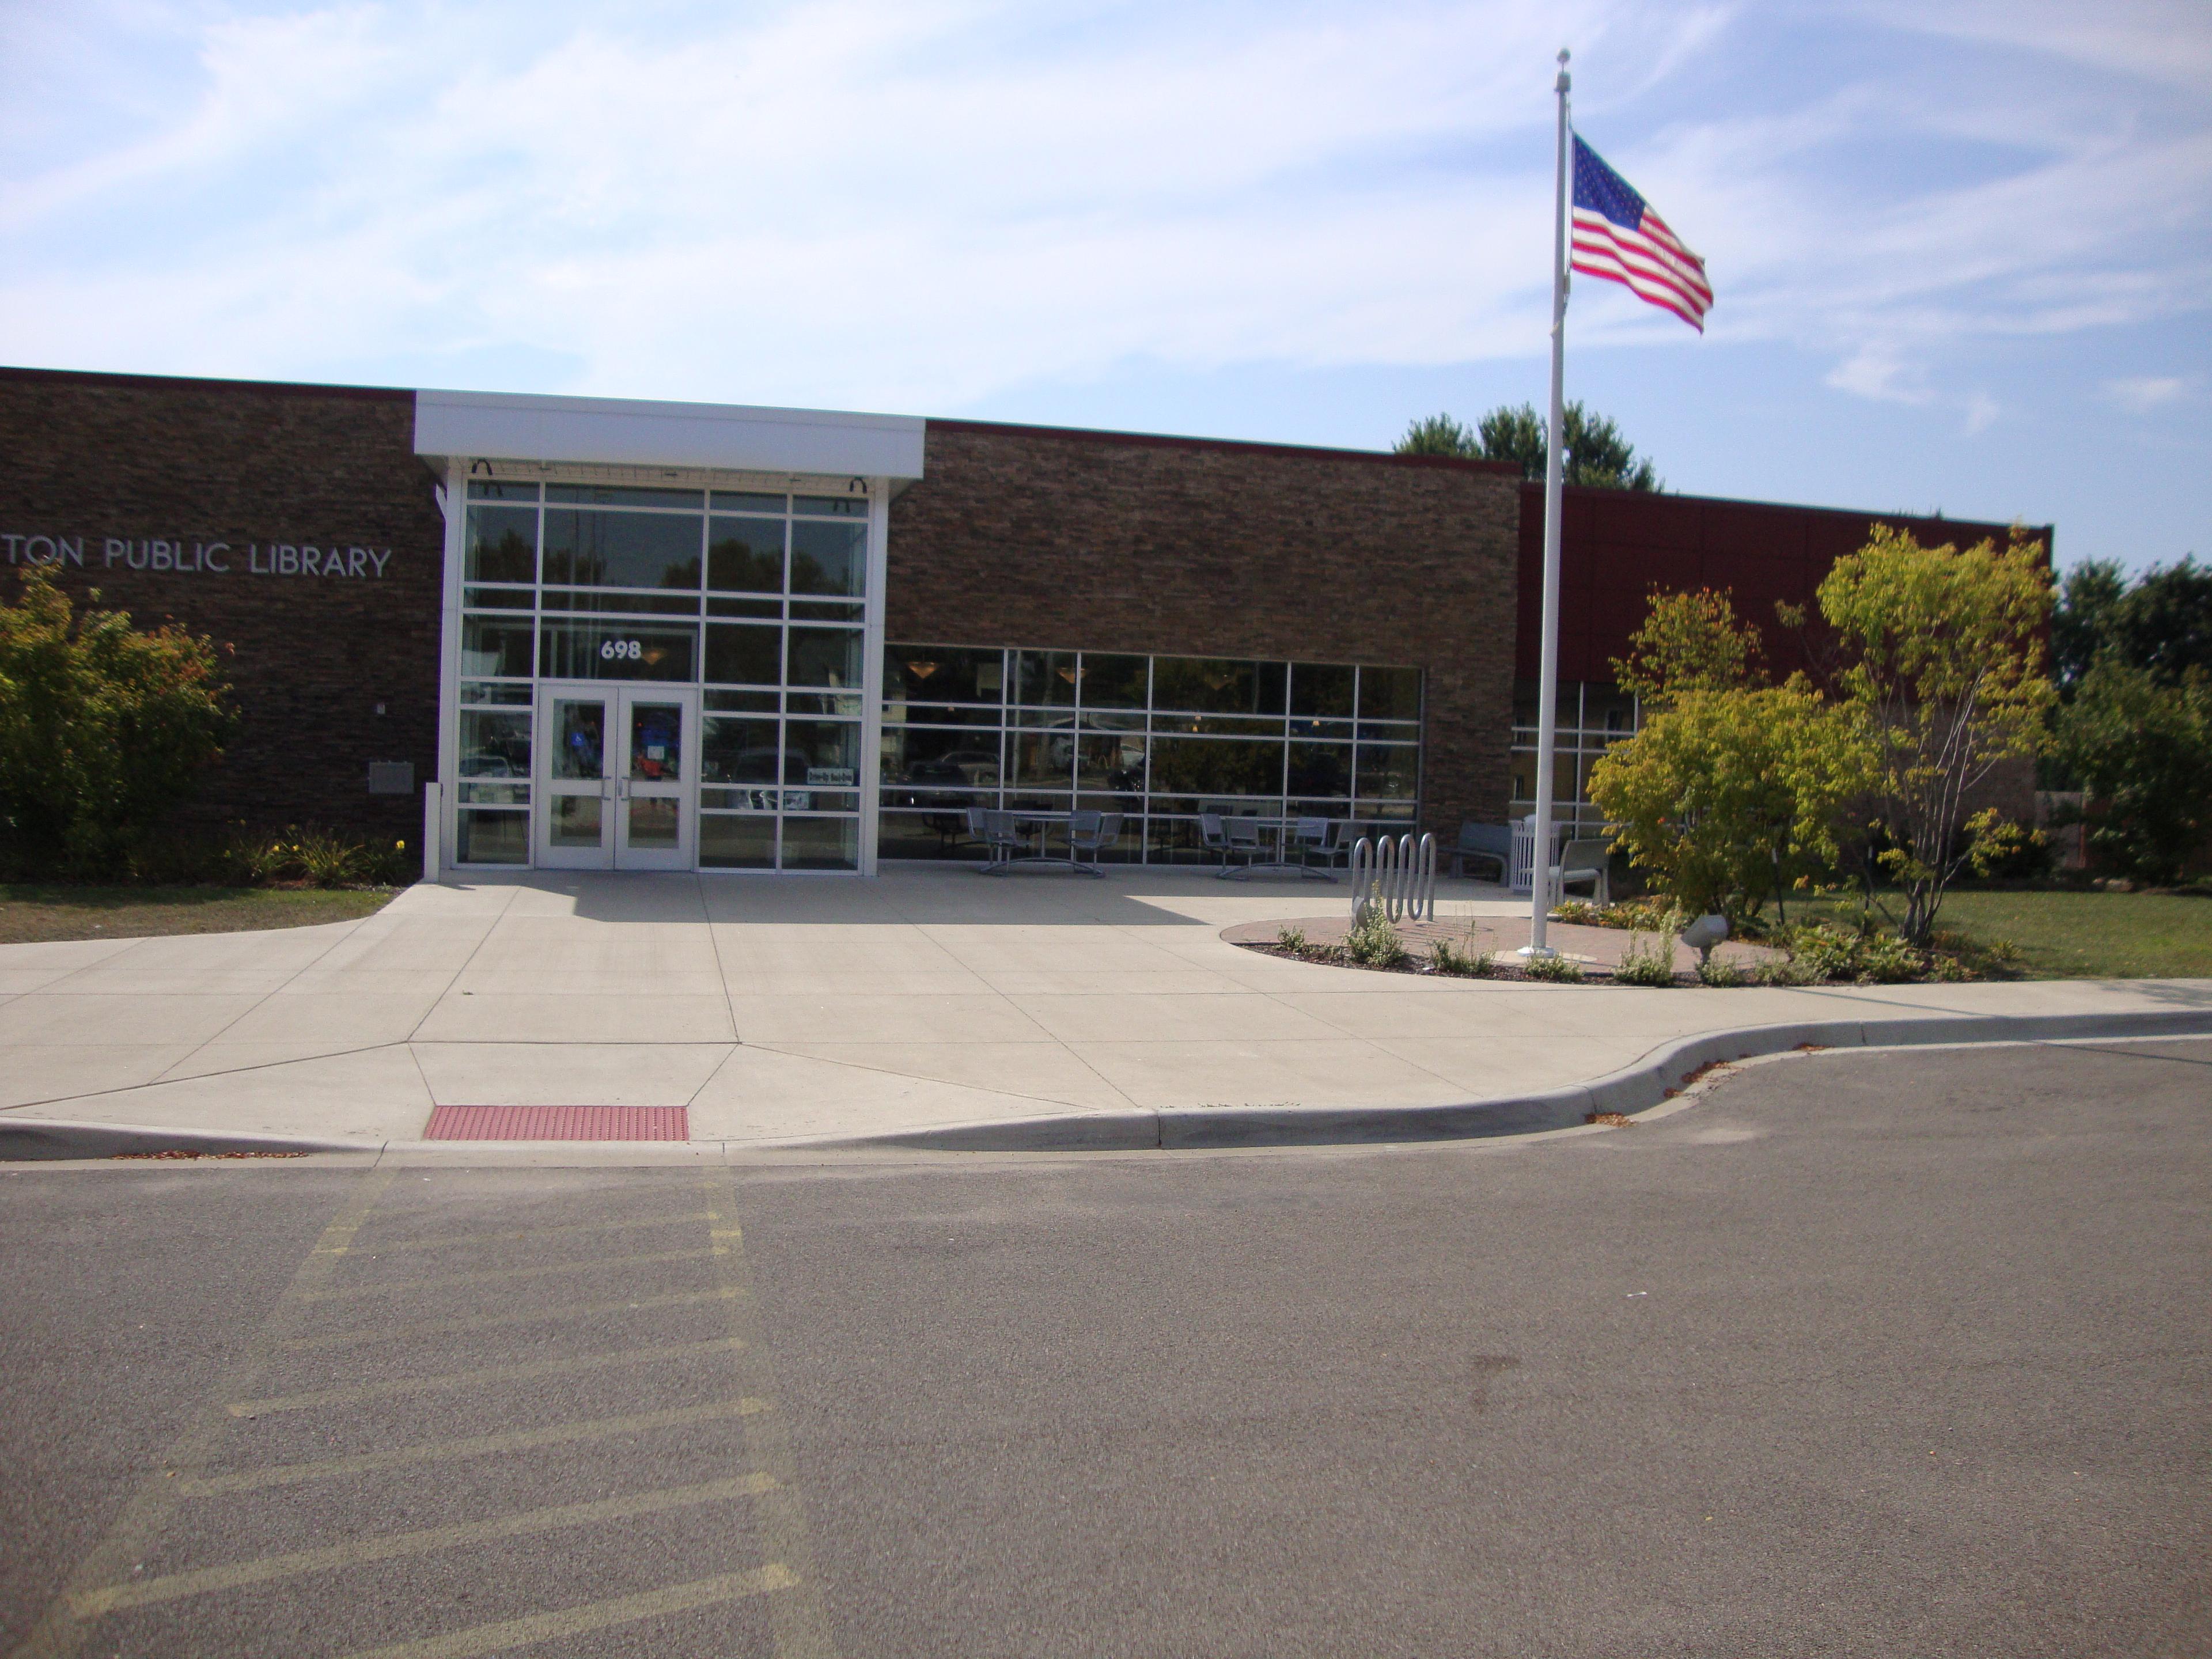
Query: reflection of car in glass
{"points": [[759, 766], [958, 769], [483, 764]]}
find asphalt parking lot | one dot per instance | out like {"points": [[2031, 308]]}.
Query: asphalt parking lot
{"points": [[1898, 1353]]}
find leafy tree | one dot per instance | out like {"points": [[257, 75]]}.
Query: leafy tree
{"points": [[1596, 453], [1942, 669], [1732, 797], [2082, 621], [103, 728], [2143, 749], [1440, 434], [2164, 623], [1690, 642], [2161, 623]]}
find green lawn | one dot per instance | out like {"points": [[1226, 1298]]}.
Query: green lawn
{"points": [[2087, 935], [32, 912]]}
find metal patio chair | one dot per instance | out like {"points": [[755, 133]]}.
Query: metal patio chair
{"points": [[1212, 837], [1091, 833], [1585, 861], [1483, 843], [1244, 834], [1313, 835], [1000, 838]]}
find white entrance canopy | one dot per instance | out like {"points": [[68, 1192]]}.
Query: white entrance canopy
{"points": [[621, 432]]}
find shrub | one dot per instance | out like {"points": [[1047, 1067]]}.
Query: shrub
{"points": [[1373, 942], [1554, 970], [329, 860], [1829, 952], [1718, 971], [2143, 750], [1646, 963], [1786, 970], [1824, 951], [104, 728], [1651, 913], [1888, 960], [1473, 962], [1292, 938]]}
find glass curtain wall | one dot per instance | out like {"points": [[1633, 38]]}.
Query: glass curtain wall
{"points": [[1592, 718], [760, 598], [1158, 739]]}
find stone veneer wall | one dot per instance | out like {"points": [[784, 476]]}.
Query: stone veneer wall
{"points": [[1022, 536], [190, 462]]}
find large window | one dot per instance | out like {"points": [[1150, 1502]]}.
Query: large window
{"points": [[1592, 717], [758, 598], [1158, 739]]}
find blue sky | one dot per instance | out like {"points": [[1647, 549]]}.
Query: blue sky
{"points": [[1962, 251]]}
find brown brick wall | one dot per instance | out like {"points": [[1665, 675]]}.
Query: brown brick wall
{"points": [[200, 462], [1108, 542]]}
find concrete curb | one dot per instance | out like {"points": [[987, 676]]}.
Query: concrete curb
{"points": [[1633, 1089], [26, 1139], [1652, 1080]]}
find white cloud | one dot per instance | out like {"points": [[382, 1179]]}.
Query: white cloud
{"points": [[917, 205], [1876, 372], [2139, 394], [1981, 410]]}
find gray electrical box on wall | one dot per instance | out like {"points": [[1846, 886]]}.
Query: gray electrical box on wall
{"points": [[391, 777]]}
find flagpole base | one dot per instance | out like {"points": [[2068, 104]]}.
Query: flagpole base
{"points": [[1536, 952]]}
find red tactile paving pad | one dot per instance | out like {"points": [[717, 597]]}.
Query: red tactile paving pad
{"points": [[559, 1123]]}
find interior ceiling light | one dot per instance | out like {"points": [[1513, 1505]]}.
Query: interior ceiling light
{"points": [[921, 670]]}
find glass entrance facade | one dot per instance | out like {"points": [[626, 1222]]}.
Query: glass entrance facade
{"points": [[1158, 739], [733, 625]]}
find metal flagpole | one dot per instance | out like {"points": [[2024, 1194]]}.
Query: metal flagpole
{"points": [[1547, 689]]}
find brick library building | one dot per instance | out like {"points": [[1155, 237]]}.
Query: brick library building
{"points": [[567, 632]]}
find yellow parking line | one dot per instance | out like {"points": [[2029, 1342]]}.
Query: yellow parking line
{"points": [[798, 1622], [237, 1575], [474, 1445], [60, 1633], [500, 1275], [399, 1387], [493, 1322], [514, 1234], [592, 1615]]}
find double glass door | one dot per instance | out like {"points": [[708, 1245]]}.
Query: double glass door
{"points": [[618, 777]]}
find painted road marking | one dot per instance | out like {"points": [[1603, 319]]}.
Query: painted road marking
{"points": [[514, 1234], [799, 1621], [59, 1632], [500, 1275], [493, 1322], [392, 1545], [592, 1615], [474, 1445], [399, 1387]]}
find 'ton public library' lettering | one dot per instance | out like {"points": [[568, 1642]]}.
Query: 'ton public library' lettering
{"points": [[189, 558]]}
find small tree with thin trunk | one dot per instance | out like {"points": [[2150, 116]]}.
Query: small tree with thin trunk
{"points": [[1942, 669]]}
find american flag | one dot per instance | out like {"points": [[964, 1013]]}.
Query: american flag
{"points": [[1619, 238]]}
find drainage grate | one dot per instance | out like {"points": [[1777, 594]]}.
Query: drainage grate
{"points": [[559, 1123]]}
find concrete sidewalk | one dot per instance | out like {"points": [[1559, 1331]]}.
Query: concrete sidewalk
{"points": [[779, 1010]]}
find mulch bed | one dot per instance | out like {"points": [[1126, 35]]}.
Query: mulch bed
{"points": [[1597, 950]]}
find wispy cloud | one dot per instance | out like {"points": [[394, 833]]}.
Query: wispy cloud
{"points": [[917, 205], [2139, 394]]}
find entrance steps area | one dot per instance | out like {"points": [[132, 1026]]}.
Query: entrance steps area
{"points": [[786, 1009]]}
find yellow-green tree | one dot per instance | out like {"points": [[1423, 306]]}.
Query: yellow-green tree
{"points": [[1942, 672], [1731, 798], [103, 728], [1691, 643]]}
